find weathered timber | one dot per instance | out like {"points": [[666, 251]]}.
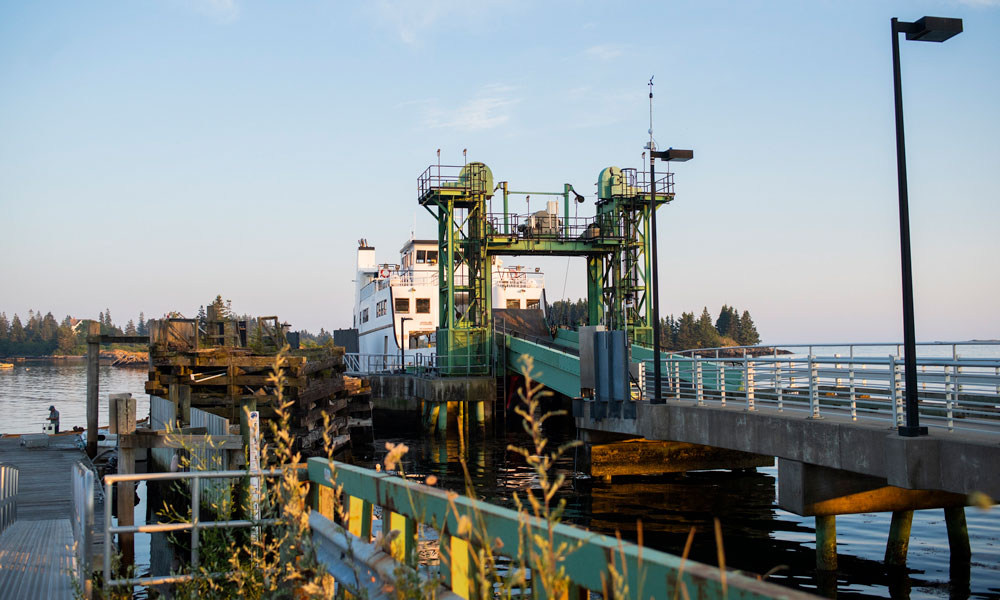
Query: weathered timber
{"points": [[322, 365], [321, 388], [158, 439]]}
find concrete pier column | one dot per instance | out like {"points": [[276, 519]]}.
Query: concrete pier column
{"points": [[958, 532], [899, 538], [434, 409], [826, 543], [481, 413], [442, 417]]}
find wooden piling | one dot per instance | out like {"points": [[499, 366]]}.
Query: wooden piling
{"points": [[184, 404], [93, 384], [958, 532], [826, 543], [126, 489], [899, 538]]}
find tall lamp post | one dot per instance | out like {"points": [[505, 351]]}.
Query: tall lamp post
{"points": [[676, 155], [926, 29]]}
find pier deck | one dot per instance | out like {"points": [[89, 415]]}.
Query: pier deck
{"points": [[42, 532]]}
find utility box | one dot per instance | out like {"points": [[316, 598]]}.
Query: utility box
{"points": [[610, 366], [587, 381]]}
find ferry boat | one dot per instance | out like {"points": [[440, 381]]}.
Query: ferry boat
{"points": [[396, 304]]}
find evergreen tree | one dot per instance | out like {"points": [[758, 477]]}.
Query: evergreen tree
{"points": [[141, 327], [100, 318], [67, 321], [748, 335], [732, 330], [201, 315], [17, 330], [31, 328], [130, 328], [687, 332], [107, 319], [65, 339], [4, 327], [708, 337], [726, 317], [49, 328], [219, 308]]}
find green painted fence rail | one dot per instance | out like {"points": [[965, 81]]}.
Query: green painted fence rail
{"points": [[651, 574]]}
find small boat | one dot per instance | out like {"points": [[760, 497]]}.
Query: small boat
{"points": [[4, 365]]}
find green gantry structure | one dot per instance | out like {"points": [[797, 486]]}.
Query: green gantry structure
{"points": [[615, 243]]}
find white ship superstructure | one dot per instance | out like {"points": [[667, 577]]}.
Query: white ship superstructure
{"points": [[394, 302]]}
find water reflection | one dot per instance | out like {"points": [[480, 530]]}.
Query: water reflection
{"points": [[758, 537]]}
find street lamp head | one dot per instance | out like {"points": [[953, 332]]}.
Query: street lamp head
{"points": [[931, 29], [674, 154]]}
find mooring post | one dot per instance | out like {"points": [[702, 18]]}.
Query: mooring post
{"points": [[126, 489], [93, 384], [899, 538], [958, 532], [826, 543], [248, 404], [184, 404]]}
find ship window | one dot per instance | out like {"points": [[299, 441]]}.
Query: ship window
{"points": [[380, 308], [532, 304], [402, 305], [421, 257], [513, 304], [424, 305], [364, 316], [432, 257]]}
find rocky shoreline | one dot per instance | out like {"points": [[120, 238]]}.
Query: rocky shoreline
{"points": [[116, 358]]}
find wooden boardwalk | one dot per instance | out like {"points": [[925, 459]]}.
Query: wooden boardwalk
{"points": [[44, 503]]}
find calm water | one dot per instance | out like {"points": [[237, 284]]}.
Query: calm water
{"points": [[27, 391], [758, 536]]}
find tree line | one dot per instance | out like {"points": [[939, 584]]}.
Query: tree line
{"points": [[730, 328], [43, 335]]}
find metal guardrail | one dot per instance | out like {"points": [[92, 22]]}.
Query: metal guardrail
{"points": [[9, 476], [82, 521], [405, 504], [962, 394], [195, 525], [851, 350]]}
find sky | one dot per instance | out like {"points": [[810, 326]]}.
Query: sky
{"points": [[156, 153]]}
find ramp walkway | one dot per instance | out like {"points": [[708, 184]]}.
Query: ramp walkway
{"points": [[36, 559], [37, 555]]}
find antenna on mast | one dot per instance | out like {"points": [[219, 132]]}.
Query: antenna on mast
{"points": [[651, 148]]}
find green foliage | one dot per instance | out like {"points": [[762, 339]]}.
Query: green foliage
{"points": [[747, 335], [729, 329], [567, 313]]}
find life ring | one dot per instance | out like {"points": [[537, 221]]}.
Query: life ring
{"points": [[383, 273]]}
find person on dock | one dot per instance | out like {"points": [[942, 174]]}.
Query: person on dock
{"points": [[54, 418]]}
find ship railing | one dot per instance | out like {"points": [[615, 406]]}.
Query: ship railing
{"points": [[413, 279], [954, 394], [9, 475], [519, 279]]}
